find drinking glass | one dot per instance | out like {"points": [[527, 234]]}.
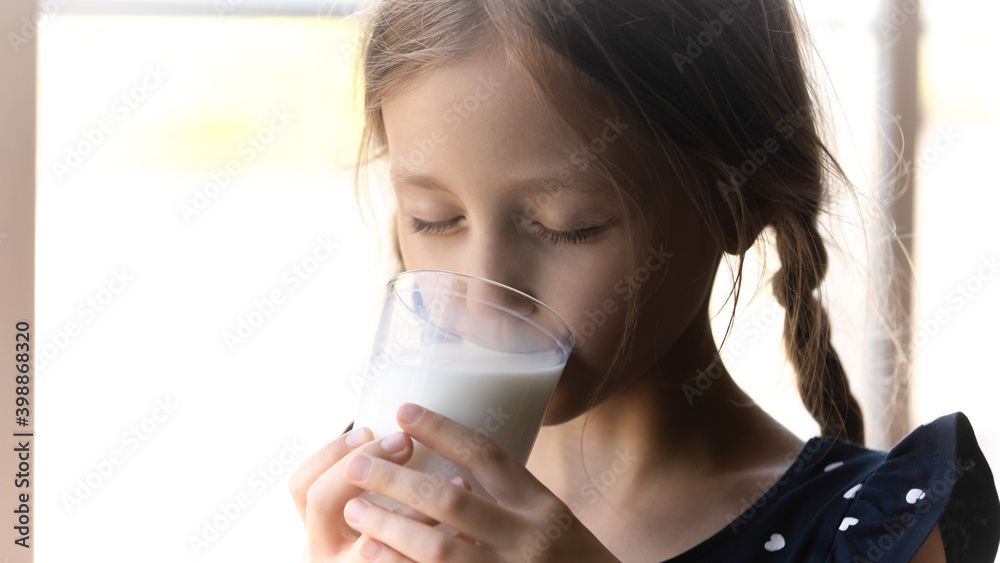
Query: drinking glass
{"points": [[474, 350]]}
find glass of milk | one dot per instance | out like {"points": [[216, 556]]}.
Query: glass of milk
{"points": [[474, 350]]}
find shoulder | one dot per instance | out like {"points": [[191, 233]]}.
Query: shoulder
{"points": [[840, 501], [890, 503], [938, 477]]}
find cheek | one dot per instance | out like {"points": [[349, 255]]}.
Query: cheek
{"points": [[584, 292], [590, 293], [417, 255], [406, 250]]}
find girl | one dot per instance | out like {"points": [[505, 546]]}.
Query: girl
{"points": [[603, 156]]}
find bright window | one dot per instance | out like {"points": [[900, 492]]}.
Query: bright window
{"points": [[206, 288]]}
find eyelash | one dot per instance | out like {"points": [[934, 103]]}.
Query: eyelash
{"points": [[555, 237], [431, 228], [568, 237]]}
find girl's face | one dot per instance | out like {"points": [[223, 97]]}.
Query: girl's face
{"points": [[490, 182]]}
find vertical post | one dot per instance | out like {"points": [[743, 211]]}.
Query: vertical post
{"points": [[899, 35], [18, 334]]}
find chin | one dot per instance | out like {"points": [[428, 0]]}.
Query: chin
{"points": [[569, 400], [559, 412]]}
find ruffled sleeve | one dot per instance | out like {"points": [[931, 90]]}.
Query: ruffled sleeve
{"points": [[936, 476]]}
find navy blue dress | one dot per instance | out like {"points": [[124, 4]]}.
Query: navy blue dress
{"points": [[840, 502]]}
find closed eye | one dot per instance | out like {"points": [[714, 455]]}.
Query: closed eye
{"points": [[432, 227], [567, 237], [552, 236]]}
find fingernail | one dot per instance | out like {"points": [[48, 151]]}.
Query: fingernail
{"points": [[355, 510], [393, 443], [355, 438], [409, 413], [358, 468], [371, 550]]}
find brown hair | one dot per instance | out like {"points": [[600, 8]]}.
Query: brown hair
{"points": [[721, 88]]}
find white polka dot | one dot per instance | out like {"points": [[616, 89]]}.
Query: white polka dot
{"points": [[914, 495], [847, 523], [853, 490], [833, 466], [776, 542]]}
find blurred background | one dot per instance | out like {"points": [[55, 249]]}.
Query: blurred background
{"points": [[206, 288]]}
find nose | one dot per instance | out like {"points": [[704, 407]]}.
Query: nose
{"points": [[489, 301], [499, 261], [502, 319]]}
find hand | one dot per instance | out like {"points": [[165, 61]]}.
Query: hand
{"points": [[527, 522], [320, 492]]}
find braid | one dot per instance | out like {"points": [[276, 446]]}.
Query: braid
{"points": [[822, 382]]}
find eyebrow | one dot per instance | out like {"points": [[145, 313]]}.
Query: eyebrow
{"points": [[579, 184]]}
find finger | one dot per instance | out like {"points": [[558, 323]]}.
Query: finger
{"points": [[473, 450], [326, 530], [421, 517], [370, 549], [404, 510], [323, 459], [448, 503], [412, 539], [460, 481]]}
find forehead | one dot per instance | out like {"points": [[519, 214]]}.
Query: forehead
{"points": [[480, 120]]}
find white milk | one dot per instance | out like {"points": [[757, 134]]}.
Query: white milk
{"points": [[502, 396]]}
